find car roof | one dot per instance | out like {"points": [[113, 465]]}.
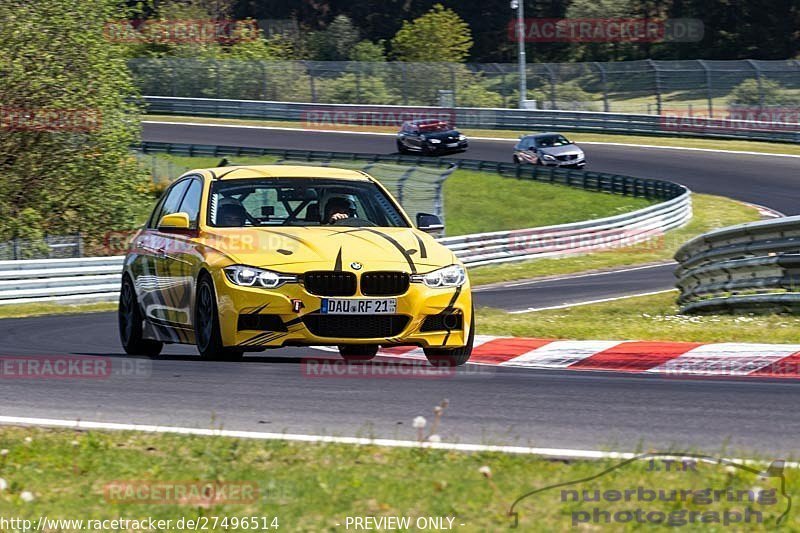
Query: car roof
{"points": [[537, 135], [428, 121], [282, 171]]}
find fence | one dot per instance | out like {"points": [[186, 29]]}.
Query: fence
{"points": [[743, 268], [50, 247], [320, 116], [644, 87], [98, 278]]}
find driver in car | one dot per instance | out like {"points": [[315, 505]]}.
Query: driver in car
{"points": [[339, 208]]}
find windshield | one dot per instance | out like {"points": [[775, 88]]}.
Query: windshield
{"points": [[434, 127], [551, 141], [300, 202]]}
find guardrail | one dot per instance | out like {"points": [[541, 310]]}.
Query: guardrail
{"points": [[66, 280], [98, 278], [321, 115], [743, 268]]}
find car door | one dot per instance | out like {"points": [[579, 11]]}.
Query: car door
{"points": [[181, 263], [152, 282], [526, 150]]}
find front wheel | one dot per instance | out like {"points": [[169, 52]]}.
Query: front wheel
{"points": [[206, 326], [358, 352], [129, 317], [453, 356], [401, 147]]}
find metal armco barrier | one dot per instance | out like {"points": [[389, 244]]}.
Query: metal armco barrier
{"points": [[98, 278], [752, 267], [80, 279], [318, 116]]}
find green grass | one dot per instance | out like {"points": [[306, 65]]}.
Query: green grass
{"points": [[654, 317], [477, 202], [46, 308], [315, 487], [710, 212], [688, 142]]}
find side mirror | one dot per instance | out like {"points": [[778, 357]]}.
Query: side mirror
{"points": [[429, 223], [174, 223]]}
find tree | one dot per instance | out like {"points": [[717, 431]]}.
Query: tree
{"points": [[438, 35], [67, 122], [751, 93], [368, 51], [335, 42]]}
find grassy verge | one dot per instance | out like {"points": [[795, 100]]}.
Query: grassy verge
{"points": [[643, 318], [474, 201], [317, 487], [689, 142], [710, 212], [45, 308]]}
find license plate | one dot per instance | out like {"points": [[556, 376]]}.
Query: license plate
{"points": [[358, 306], [452, 145]]}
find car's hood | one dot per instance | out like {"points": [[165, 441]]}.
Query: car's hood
{"points": [[296, 249], [569, 149]]}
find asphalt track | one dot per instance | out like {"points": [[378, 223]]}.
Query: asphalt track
{"points": [[270, 392], [488, 405]]}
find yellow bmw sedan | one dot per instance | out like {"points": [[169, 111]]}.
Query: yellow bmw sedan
{"points": [[244, 258]]}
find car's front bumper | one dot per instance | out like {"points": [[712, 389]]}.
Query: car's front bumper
{"points": [[282, 306], [448, 147], [571, 163]]}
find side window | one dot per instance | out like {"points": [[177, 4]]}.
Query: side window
{"points": [[171, 202], [191, 202]]}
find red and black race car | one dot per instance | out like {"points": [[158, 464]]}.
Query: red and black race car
{"points": [[430, 137]]}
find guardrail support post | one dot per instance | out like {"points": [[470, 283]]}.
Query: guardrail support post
{"points": [[604, 82], [758, 81], [709, 91], [657, 85]]}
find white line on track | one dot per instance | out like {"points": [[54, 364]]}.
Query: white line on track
{"points": [[567, 277], [589, 302], [560, 453], [504, 139]]}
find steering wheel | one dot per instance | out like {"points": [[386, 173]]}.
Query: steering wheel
{"points": [[353, 222]]}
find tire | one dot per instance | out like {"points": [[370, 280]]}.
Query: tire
{"points": [[206, 325], [401, 148], [517, 161], [358, 352], [453, 356], [129, 318]]}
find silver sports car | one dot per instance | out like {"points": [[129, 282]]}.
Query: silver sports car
{"points": [[550, 149]]}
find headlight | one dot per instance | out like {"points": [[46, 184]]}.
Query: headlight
{"points": [[548, 157], [450, 276], [255, 277], [434, 141], [462, 137]]}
